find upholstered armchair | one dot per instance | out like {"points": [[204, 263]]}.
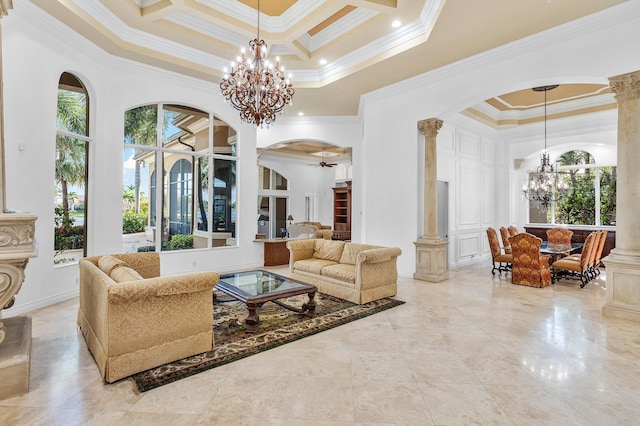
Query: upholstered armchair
{"points": [[502, 260], [559, 236], [581, 266], [133, 319], [530, 268], [513, 231], [504, 233]]}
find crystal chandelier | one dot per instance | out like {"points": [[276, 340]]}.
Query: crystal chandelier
{"points": [[545, 185], [256, 87]]}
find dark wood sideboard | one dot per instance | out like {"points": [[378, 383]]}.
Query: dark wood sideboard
{"points": [[579, 235], [275, 251]]}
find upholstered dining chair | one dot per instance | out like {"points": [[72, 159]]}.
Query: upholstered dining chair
{"points": [[513, 231], [502, 260], [559, 236], [504, 234], [530, 268], [599, 249], [581, 267]]}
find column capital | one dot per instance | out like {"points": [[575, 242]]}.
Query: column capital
{"points": [[5, 6], [430, 126], [626, 86]]}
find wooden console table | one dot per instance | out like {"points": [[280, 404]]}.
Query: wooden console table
{"points": [[275, 251]]}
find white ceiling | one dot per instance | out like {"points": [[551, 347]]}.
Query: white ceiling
{"points": [[364, 52]]}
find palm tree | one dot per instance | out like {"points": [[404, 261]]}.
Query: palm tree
{"points": [[70, 152], [140, 129]]}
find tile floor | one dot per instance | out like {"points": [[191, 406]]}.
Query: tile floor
{"points": [[471, 350]]}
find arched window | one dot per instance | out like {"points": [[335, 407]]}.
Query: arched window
{"points": [[180, 196], [194, 214], [71, 170]]}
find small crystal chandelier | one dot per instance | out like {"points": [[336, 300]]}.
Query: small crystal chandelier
{"points": [[256, 87], [545, 185]]}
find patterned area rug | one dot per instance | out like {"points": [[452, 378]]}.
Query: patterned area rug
{"points": [[277, 327]]}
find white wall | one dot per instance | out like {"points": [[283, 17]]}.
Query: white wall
{"points": [[384, 137], [339, 131], [35, 53], [588, 50]]}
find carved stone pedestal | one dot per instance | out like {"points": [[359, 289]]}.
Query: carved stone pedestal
{"points": [[15, 357], [431, 260], [623, 286], [17, 245]]}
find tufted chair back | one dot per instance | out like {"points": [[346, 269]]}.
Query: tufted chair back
{"points": [[530, 268], [504, 233], [494, 243], [559, 236]]}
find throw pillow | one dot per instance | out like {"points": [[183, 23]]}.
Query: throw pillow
{"points": [[122, 274], [328, 250], [108, 263], [351, 251]]}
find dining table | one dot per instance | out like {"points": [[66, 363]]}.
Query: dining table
{"points": [[558, 250]]}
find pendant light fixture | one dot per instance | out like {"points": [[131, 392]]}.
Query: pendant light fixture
{"points": [[255, 86], [545, 186]]}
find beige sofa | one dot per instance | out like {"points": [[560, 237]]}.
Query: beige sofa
{"points": [[315, 229], [358, 273], [133, 320]]}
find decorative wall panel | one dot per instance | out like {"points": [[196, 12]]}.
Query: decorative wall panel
{"points": [[470, 144], [469, 245], [470, 200], [446, 138]]}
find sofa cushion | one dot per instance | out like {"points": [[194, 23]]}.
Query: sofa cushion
{"points": [[328, 250], [351, 251], [340, 271], [108, 263], [313, 266], [123, 274]]}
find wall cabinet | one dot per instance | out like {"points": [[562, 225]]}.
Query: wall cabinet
{"points": [[342, 212]]}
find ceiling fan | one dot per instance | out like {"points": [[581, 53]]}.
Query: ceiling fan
{"points": [[323, 163]]}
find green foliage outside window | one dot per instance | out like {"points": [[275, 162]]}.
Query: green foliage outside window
{"points": [[579, 206], [608, 196]]}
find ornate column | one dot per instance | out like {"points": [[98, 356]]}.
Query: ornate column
{"points": [[17, 245], [623, 263], [431, 250]]}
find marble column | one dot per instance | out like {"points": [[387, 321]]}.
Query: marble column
{"points": [[623, 262], [431, 250]]}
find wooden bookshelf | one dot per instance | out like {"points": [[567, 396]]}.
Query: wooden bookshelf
{"points": [[342, 212]]}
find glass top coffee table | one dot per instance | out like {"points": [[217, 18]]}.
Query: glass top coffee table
{"points": [[255, 288]]}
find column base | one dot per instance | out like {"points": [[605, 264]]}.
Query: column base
{"points": [[15, 357], [431, 259], [623, 285]]}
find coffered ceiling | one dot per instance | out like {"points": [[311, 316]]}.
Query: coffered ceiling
{"points": [[336, 49]]}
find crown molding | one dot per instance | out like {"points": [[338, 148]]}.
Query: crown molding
{"points": [[273, 24], [558, 108], [584, 26], [337, 29]]}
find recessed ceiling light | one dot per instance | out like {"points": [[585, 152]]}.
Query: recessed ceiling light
{"points": [[396, 24], [301, 113], [323, 62]]}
